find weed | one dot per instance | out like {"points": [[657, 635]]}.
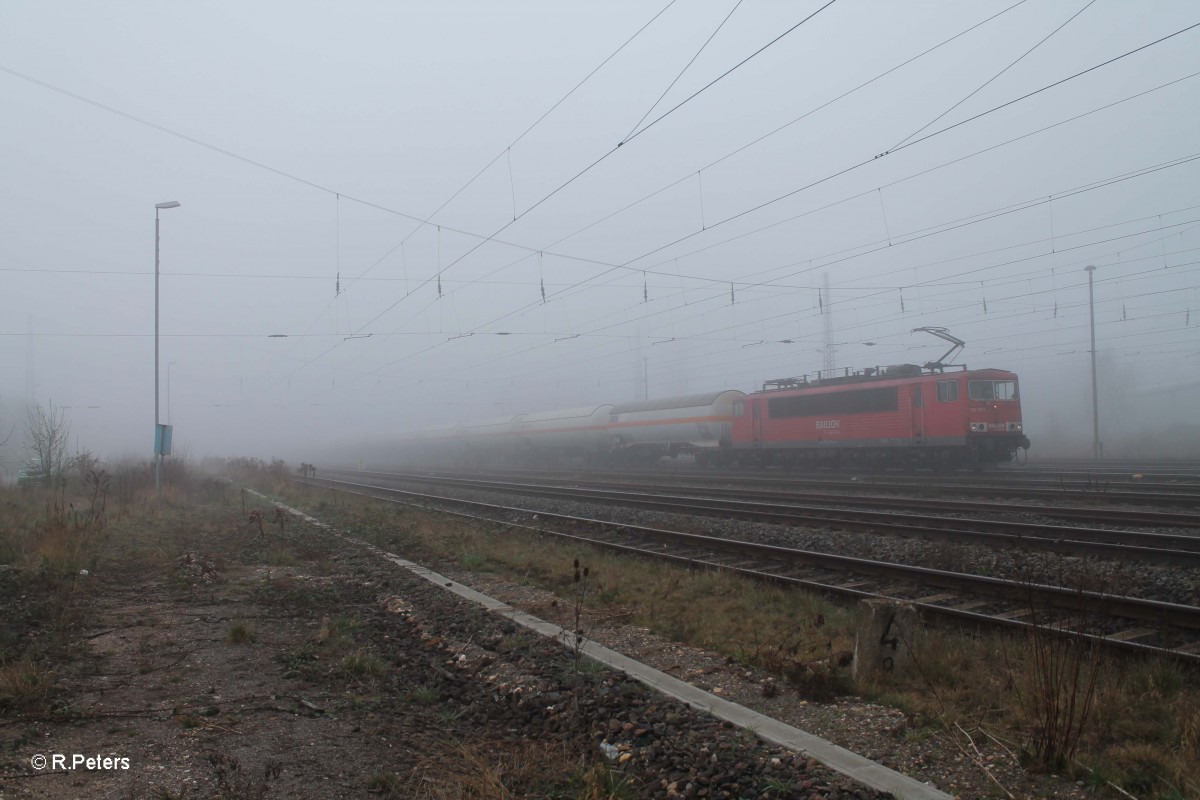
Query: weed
{"points": [[163, 793], [777, 787], [280, 557], [364, 702], [236, 785], [336, 633], [473, 561], [384, 783], [578, 636], [448, 714], [362, 665], [24, 684], [425, 694], [602, 783], [1144, 768], [239, 632]]}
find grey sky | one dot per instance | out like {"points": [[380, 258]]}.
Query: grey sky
{"points": [[342, 124]]}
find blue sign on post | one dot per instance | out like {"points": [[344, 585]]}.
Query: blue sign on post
{"points": [[162, 440]]}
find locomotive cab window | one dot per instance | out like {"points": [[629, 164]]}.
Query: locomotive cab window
{"points": [[992, 390], [739, 408], [947, 391]]}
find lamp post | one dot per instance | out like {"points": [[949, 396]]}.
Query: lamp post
{"points": [[158, 440], [1095, 397], [169, 391]]}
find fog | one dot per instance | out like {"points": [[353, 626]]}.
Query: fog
{"points": [[395, 216]]}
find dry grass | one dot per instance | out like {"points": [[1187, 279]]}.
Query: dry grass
{"points": [[239, 632], [24, 684], [60, 545], [486, 771], [792, 633], [336, 633], [362, 664]]}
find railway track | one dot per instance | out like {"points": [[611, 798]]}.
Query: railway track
{"points": [[1125, 623], [1160, 548], [1048, 488], [786, 494]]}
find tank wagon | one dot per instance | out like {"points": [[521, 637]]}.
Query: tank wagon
{"points": [[698, 423], [637, 431]]}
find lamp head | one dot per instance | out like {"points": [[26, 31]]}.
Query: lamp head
{"points": [[168, 204]]}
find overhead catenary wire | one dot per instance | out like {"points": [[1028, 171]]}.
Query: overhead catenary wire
{"points": [[691, 61], [887, 289], [668, 296], [863, 163], [914, 58], [985, 84]]}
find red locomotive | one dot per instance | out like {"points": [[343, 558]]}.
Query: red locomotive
{"points": [[897, 415], [903, 414]]}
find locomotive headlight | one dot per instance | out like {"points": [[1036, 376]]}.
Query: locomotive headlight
{"points": [[979, 427], [1014, 426]]}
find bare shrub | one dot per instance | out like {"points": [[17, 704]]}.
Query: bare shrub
{"points": [[1055, 682], [47, 432]]}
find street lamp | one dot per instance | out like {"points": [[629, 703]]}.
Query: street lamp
{"points": [[169, 391], [1095, 397], [159, 439]]}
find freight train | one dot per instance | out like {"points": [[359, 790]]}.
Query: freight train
{"points": [[905, 415]]}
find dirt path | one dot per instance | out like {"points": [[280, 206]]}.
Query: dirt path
{"points": [[211, 661]]}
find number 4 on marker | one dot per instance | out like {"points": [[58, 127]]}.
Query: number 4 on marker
{"points": [[894, 642]]}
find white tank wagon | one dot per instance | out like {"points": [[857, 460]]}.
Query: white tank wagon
{"points": [[698, 423], [467, 443], [568, 432]]}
